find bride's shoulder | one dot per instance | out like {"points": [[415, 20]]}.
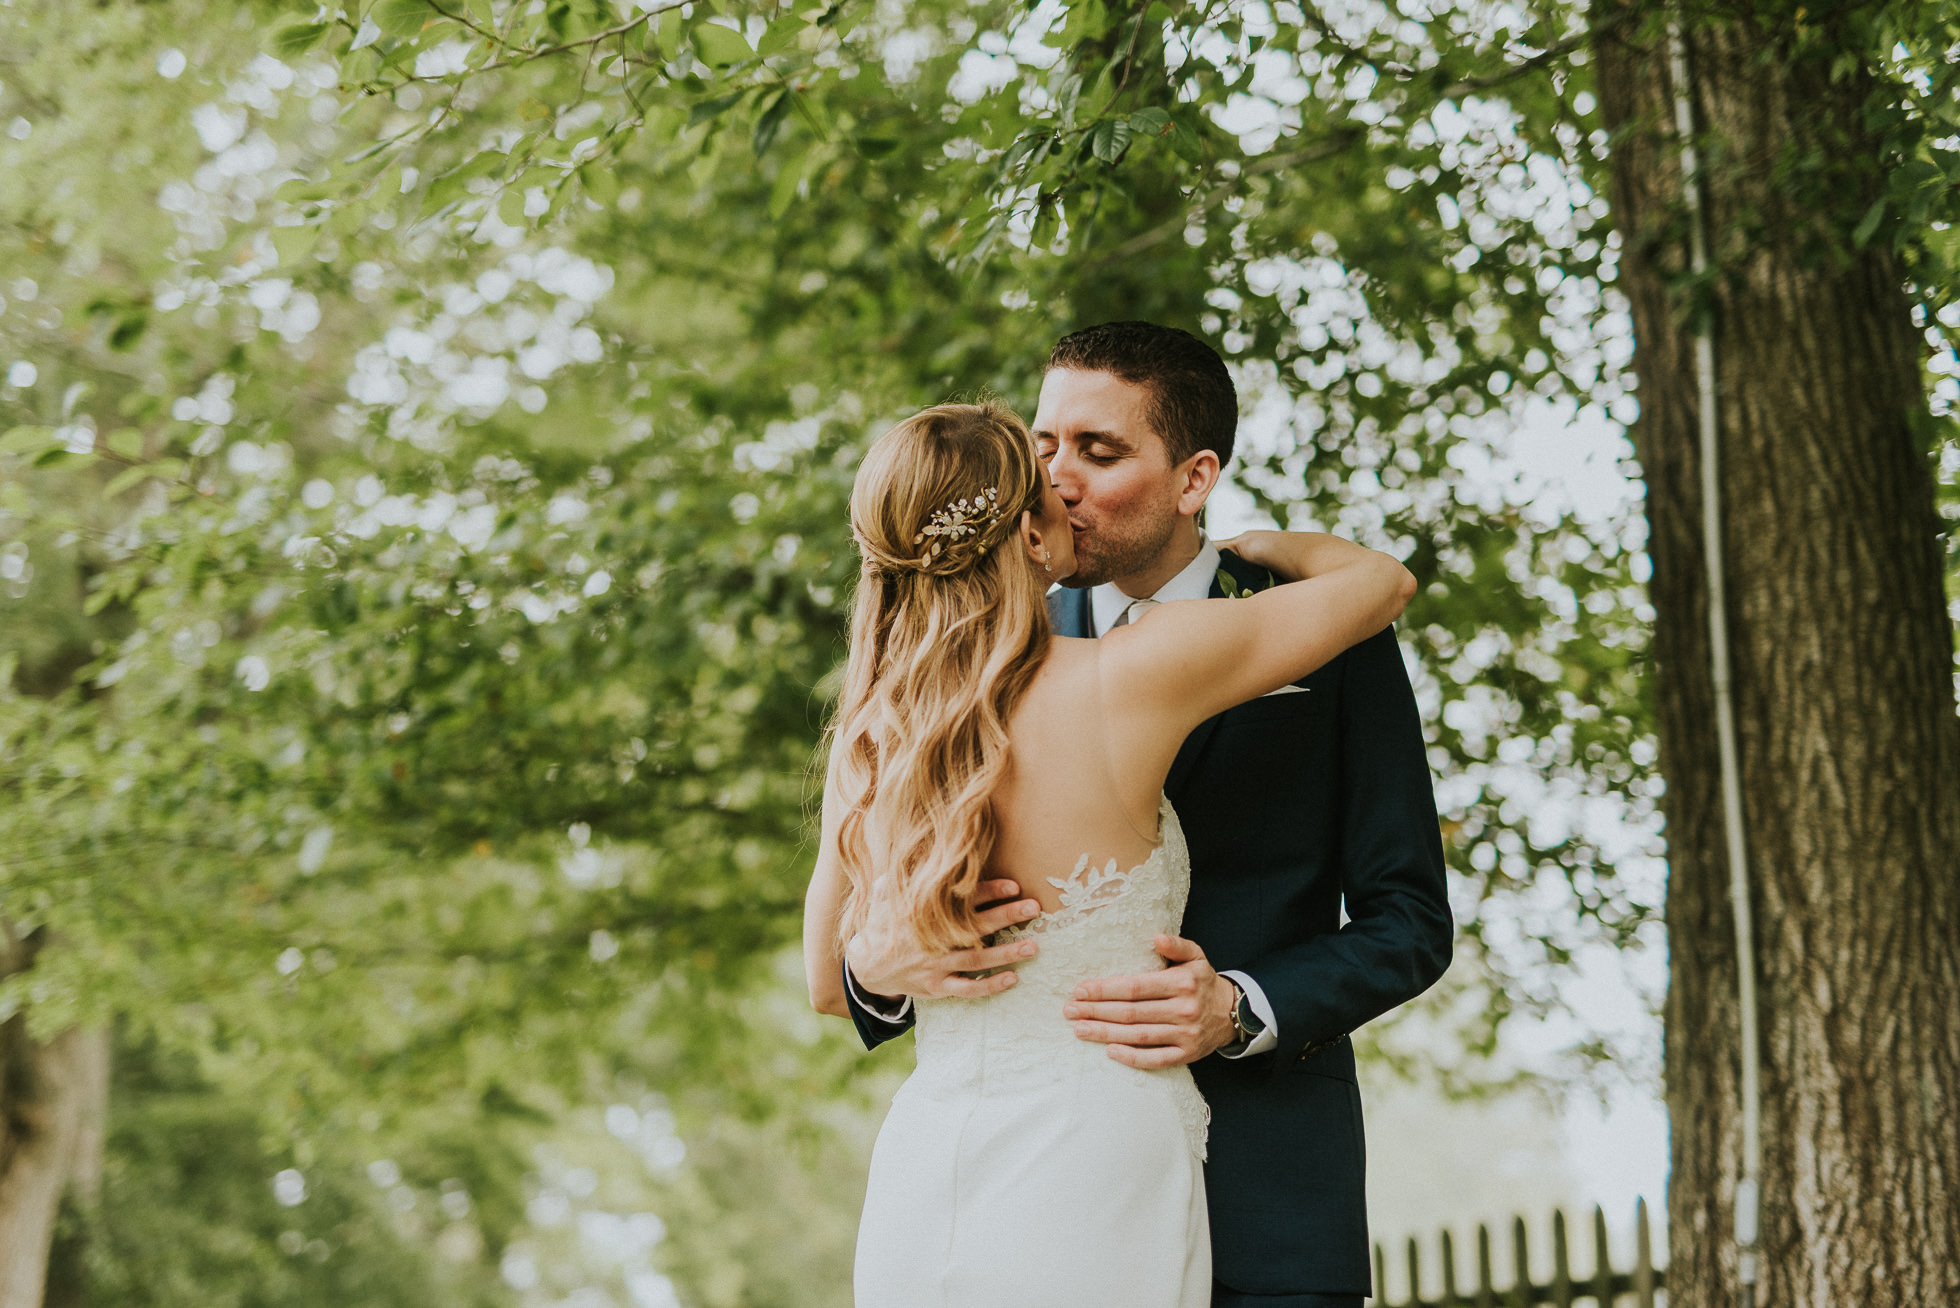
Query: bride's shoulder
{"points": [[1067, 656]]}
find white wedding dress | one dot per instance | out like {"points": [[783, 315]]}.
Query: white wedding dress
{"points": [[1021, 1167]]}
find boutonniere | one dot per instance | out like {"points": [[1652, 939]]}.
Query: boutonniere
{"points": [[1229, 584]]}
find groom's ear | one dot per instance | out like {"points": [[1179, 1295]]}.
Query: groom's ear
{"points": [[1198, 477]]}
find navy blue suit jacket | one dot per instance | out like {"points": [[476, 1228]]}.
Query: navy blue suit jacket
{"points": [[1293, 804]]}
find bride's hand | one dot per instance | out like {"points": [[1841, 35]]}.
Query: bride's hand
{"points": [[1296, 555], [1267, 549], [885, 960]]}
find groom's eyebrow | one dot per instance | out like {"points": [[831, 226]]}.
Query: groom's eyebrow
{"points": [[1111, 440], [1108, 438]]}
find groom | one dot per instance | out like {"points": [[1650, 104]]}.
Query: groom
{"points": [[1303, 804]]}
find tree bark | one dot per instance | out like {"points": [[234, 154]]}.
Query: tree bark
{"points": [[54, 1098], [1843, 676]]}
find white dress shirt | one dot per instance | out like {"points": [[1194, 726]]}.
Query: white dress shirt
{"points": [[1106, 605]]}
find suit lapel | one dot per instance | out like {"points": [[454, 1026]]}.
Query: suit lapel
{"points": [[1069, 611]]}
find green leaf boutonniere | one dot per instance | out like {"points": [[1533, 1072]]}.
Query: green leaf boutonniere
{"points": [[1229, 584]]}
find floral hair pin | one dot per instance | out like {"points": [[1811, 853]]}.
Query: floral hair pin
{"points": [[960, 519]]}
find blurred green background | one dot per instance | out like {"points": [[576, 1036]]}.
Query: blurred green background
{"points": [[423, 567]]}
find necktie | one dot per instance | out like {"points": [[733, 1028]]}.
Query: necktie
{"points": [[1137, 608]]}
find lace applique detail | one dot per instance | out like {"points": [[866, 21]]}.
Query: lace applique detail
{"points": [[1083, 892], [1104, 927]]}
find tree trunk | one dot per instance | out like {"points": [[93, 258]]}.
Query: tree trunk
{"points": [[54, 1098], [1843, 675]]}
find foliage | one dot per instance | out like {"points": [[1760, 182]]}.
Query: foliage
{"points": [[185, 1218], [426, 442]]}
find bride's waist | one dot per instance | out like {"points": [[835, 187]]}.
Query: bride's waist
{"points": [[971, 1034]]}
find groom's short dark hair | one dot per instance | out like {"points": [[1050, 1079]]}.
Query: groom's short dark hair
{"points": [[1193, 404]]}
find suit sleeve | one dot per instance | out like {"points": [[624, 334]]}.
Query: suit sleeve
{"points": [[1398, 938], [874, 1028]]}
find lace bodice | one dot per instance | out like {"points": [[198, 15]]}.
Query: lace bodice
{"points": [[1104, 927]]}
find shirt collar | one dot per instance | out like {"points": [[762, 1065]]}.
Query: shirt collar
{"points": [[1106, 603]]}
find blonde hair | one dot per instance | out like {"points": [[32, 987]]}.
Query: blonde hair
{"points": [[948, 629]]}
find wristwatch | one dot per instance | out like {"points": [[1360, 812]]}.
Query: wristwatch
{"points": [[1247, 1025]]}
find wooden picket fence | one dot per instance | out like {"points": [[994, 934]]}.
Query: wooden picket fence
{"points": [[1645, 1284]]}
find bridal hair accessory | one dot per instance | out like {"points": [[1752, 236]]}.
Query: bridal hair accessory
{"points": [[951, 540], [953, 537], [958, 520]]}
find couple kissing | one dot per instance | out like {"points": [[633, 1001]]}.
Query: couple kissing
{"points": [[1134, 828]]}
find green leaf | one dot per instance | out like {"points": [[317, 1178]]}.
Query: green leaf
{"points": [[1067, 91], [720, 46], [402, 18], [454, 184], [344, 219], [123, 480], [510, 207], [811, 113], [294, 243], [1186, 142], [126, 441], [789, 180], [1047, 226], [666, 33], [1150, 122], [20, 440], [128, 330], [600, 182], [369, 151], [300, 191], [1109, 139], [770, 121], [360, 67], [714, 108], [59, 454], [1862, 234], [292, 42], [782, 35], [875, 147]]}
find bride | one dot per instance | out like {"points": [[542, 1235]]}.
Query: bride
{"points": [[1019, 1164]]}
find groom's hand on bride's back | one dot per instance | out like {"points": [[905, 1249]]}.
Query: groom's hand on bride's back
{"points": [[885, 959], [1158, 1019]]}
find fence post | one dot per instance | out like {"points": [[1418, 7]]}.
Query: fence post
{"points": [[1602, 1283], [1521, 1296], [1643, 1258], [1561, 1264], [1603, 1287]]}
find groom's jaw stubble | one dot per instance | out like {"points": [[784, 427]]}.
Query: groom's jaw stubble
{"points": [[1112, 551], [1139, 552]]}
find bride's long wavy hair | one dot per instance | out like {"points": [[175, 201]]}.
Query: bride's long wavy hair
{"points": [[948, 629]]}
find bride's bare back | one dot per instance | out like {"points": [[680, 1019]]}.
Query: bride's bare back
{"points": [[1068, 791]]}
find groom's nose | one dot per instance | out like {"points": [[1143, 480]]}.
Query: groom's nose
{"points": [[1066, 473]]}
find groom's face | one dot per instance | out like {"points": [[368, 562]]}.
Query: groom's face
{"points": [[1112, 469]]}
